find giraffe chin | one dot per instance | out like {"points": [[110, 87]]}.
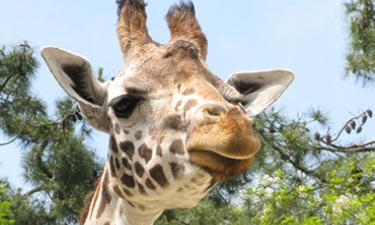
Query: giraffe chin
{"points": [[218, 166]]}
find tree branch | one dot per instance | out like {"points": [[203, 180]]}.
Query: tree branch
{"points": [[355, 123], [5, 83], [33, 191], [16, 136], [293, 162], [355, 148]]}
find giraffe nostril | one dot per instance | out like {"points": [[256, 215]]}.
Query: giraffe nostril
{"points": [[214, 110]]}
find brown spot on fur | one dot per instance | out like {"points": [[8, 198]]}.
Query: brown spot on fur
{"points": [[138, 135], [149, 184], [107, 223], [139, 170], [145, 152], [127, 192], [128, 180], [131, 204], [190, 104], [189, 91], [113, 144], [142, 207], [177, 170], [128, 148], [126, 132], [112, 166], [158, 175], [117, 163], [177, 147], [126, 163], [116, 189], [159, 151], [174, 122], [106, 197], [141, 189], [152, 132], [117, 128]]}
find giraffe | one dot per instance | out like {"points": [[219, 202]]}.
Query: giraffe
{"points": [[175, 128]]}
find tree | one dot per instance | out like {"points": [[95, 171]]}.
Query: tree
{"points": [[6, 217], [361, 53], [56, 162]]}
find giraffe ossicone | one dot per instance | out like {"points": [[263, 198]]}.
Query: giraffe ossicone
{"points": [[175, 128]]}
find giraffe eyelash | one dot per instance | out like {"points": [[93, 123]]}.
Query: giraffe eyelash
{"points": [[123, 106]]}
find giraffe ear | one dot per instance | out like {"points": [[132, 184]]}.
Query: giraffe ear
{"points": [[259, 89], [75, 76]]}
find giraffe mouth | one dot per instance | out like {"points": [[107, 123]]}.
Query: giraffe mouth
{"points": [[219, 165], [234, 155]]}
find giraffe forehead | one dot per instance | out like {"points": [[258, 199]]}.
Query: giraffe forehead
{"points": [[163, 66]]}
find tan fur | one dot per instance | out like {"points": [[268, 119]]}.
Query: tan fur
{"points": [[230, 135], [91, 196], [219, 136], [184, 26], [131, 27]]}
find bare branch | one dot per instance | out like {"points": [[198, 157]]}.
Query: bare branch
{"points": [[355, 148], [327, 143], [349, 123]]}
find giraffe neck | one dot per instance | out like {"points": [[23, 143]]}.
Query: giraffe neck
{"points": [[108, 208]]}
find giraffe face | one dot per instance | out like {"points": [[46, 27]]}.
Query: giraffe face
{"points": [[175, 128], [171, 125]]}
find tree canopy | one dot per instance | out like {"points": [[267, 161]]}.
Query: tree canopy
{"points": [[361, 53]]}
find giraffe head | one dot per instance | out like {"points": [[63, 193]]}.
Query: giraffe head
{"points": [[175, 128]]}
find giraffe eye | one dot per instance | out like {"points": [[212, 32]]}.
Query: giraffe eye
{"points": [[125, 105]]}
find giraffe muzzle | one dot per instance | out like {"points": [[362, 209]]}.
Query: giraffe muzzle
{"points": [[228, 144]]}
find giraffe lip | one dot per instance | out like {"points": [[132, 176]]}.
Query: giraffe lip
{"points": [[224, 154], [220, 167]]}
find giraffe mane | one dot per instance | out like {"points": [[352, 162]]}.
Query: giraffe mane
{"points": [[88, 199]]}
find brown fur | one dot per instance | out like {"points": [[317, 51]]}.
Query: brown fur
{"points": [[184, 26], [131, 27], [88, 199], [106, 197], [230, 136]]}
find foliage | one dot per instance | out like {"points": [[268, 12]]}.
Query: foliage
{"points": [[56, 162], [6, 216], [361, 54]]}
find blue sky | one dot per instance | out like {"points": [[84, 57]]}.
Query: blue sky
{"points": [[308, 37]]}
